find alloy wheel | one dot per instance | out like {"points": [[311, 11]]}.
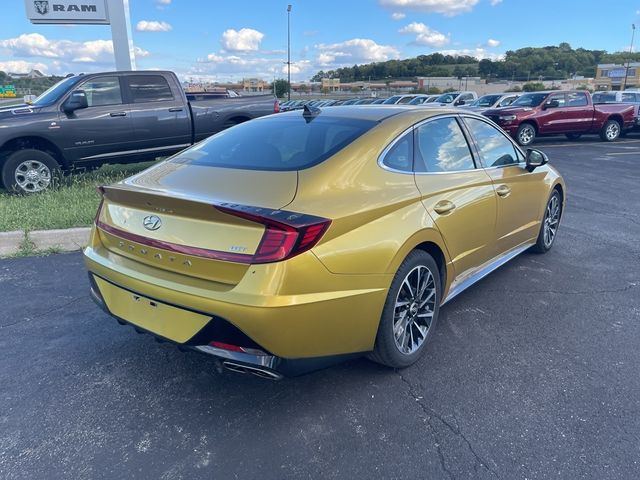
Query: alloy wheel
{"points": [[526, 135], [612, 131], [551, 219], [414, 309], [32, 176]]}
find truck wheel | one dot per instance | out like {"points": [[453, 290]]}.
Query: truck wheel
{"points": [[610, 131], [573, 136], [526, 134], [29, 171]]}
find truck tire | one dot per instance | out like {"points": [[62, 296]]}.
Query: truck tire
{"points": [[526, 134], [29, 171], [573, 136], [610, 131]]}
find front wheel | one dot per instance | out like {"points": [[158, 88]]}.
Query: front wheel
{"points": [[410, 312], [29, 171], [610, 131], [526, 134], [550, 223]]}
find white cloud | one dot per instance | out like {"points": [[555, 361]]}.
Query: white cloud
{"points": [[398, 15], [356, 50], [21, 66], [446, 7], [63, 55], [494, 2], [152, 26], [243, 40], [493, 43], [479, 53], [424, 35], [162, 4]]}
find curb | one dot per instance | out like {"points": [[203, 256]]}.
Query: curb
{"points": [[66, 240]]}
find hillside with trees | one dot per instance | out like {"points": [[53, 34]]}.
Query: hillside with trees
{"points": [[531, 63]]}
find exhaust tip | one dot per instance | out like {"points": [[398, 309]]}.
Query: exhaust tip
{"points": [[257, 371]]}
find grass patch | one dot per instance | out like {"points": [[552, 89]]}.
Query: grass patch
{"points": [[71, 203]]}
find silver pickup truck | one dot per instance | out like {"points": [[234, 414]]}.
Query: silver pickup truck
{"points": [[112, 117]]}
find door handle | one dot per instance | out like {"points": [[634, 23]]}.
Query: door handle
{"points": [[503, 190], [118, 114], [443, 207], [175, 109]]}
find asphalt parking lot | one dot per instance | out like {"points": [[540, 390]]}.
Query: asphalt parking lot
{"points": [[532, 374]]}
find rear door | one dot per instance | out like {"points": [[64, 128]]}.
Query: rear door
{"points": [[103, 129], [160, 116], [459, 196], [519, 193], [578, 113]]}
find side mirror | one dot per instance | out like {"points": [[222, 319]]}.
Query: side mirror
{"points": [[535, 159], [76, 101], [552, 104], [29, 99], [459, 102]]}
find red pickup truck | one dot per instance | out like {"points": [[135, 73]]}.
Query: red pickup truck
{"points": [[569, 113]]}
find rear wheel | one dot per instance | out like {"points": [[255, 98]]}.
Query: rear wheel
{"points": [[526, 134], [610, 131], [29, 171], [410, 312], [550, 223], [573, 136]]}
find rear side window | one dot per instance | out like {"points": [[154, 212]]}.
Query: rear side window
{"points": [[577, 99], [629, 97], [149, 88], [495, 149], [400, 155], [440, 146], [279, 142]]}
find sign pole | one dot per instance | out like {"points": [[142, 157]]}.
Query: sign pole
{"points": [[121, 34]]}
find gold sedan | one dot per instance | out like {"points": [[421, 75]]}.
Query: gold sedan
{"points": [[298, 240]]}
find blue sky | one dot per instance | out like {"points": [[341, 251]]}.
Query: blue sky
{"points": [[222, 40]]}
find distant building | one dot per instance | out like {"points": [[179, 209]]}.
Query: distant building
{"points": [[442, 83], [610, 76], [331, 84], [32, 74], [254, 85]]}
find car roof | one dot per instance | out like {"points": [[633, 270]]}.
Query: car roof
{"points": [[375, 112]]}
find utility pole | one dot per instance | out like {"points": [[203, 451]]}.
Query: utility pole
{"points": [[626, 70], [288, 52]]}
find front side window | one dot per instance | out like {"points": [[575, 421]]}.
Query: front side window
{"points": [[495, 149], [558, 97], [507, 101], [629, 97], [400, 155], [440, 146], [577, 99], [102, 91], [486, 101], [149, 88]]}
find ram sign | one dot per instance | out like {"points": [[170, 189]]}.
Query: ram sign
{"points": [[67, 11]]}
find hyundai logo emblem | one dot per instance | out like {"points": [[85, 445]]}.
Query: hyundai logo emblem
{"points": [[152, 222]]}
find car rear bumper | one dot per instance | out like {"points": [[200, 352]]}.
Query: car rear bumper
{"points": [[330, 318]]}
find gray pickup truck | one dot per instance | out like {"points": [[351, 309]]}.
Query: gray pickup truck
{"points": [[113, 117]]}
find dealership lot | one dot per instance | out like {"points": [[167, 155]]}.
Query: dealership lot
{"points": [[532, 373]]}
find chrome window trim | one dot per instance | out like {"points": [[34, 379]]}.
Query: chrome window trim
{"points": [[411, 129]]}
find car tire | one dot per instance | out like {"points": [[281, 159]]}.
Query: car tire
{"points": [[550, 223], [526, 134], [610, 131], [573, 136], [410, 312], [29, 171]]}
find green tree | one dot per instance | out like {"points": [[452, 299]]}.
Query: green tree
{"points": [[533, 87], [280, 87]]}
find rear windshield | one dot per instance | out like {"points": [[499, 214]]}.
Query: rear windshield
{"points": [[279, 142]]}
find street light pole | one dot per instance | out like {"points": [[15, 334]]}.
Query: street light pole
{"points": [[626, 70], [288, 52]]}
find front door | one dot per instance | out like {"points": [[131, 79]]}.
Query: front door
{"points": [[518, 212], [458, 195], [101, 130]]}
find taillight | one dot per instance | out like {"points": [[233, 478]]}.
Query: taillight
{"points": [[101, 193], [286, 234], [276, 106]]}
